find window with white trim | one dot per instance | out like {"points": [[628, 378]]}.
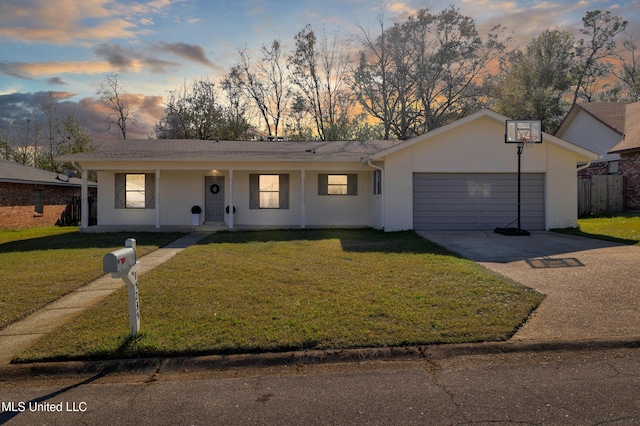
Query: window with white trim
{"points": [[337, 184], [269, 191]]}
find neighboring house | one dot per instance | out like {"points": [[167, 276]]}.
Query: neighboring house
{"points": [[629, 151], [613, 131], [31, 197], [460, 176]]}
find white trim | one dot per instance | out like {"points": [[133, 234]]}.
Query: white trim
{"points": [[302, 200], [546, 138], [157, 201], [84, 213], [230, 217]]}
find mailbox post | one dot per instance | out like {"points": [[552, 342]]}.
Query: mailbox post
{"points": [[123, 264]]}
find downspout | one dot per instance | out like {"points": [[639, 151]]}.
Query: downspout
{"points": [[381, 187], [84, 196], [584, 166]]}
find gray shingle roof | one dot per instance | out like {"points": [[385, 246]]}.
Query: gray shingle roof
{"points": [[610, 113], [263, 151], [19, 173], [631, 133]]}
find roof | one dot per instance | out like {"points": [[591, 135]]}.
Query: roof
{"points": [[610, 113], [620, 117], [19, 173], [245, 151], [631, 135], [485, 113]]}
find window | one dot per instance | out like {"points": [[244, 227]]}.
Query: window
{"points": [[38, 202], [269, 188], [377, 182], [135, 190], [337, 185], [269, 191], [612, 167], [345, 184]]}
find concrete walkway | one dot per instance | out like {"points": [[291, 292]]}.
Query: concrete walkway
{"points": [[18, 336], [592, 286]]}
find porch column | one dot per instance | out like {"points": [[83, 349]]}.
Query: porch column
{"points": [[84, 196], [303, 222], [230, 217], [157, 198]]}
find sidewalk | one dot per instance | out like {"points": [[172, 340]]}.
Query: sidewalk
{"points": [[18, 336]]}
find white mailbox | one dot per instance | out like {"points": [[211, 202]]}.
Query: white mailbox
{"points": [[123, 264], [119, 262]]}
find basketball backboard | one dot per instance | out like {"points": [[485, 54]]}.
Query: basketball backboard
{"points": [[519, 131]]}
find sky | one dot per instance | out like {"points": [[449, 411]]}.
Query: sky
{"points": [[69, 47]]}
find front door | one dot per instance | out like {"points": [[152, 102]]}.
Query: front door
{"points": [[214, 199]]}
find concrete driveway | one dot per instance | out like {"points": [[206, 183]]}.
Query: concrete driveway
{"points": [[592, 286]]}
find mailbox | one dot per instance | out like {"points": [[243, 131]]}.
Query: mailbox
{"points": [[119, 262], [123, 264]]}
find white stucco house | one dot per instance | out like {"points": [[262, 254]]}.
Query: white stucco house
{"points": [[459, 177]]}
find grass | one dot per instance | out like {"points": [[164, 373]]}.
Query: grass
{"points": [[623, 228], [40, 265], [248, 292]]}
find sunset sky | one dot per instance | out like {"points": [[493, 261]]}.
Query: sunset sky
{"points": [[70, 46]]}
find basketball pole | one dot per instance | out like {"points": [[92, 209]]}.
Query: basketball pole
{"points": [[520, 148]]}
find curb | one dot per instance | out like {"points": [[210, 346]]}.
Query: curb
{"points": [[177, 365]]}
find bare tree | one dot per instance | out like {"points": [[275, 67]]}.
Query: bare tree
{"points": [[629, 73], [113, 96], [425, 72], [592, 53], [372, 82], [263, 83], [197, 113], [319, 72]]}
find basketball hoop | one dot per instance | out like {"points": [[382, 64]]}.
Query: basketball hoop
{"points": [[523, 133], [526, 142]]}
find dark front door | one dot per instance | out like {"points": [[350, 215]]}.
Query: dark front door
{"points": [[214, 199]]}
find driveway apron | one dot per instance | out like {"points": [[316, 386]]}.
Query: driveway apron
{"points": [[592, 287]]}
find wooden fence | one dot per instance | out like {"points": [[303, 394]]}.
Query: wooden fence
{"points": [[600, 194], [72, 213]]}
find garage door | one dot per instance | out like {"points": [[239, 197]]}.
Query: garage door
{"points": [[477, 201]]}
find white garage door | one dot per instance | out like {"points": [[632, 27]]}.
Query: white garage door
{"points": [[477, 201]]}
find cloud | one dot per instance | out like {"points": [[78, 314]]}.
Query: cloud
{"points": [[90, 112], [192, 52], [26, 70], [92, 115], [21, 106], [57, 81], [75, 21], [129, 59]]}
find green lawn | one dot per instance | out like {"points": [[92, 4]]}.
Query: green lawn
{"points": [[246, 292], [624, 228], [40, 265]]}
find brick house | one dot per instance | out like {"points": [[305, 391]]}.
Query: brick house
{"points": [[613, 131], [31, 197], [629, 151]]}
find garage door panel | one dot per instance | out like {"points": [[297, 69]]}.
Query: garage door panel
{"points": [[469, 201]]}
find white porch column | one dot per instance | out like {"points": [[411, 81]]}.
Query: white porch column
{"points": [[303, 221], [157, 197], [84, 195], [230, 217]]}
